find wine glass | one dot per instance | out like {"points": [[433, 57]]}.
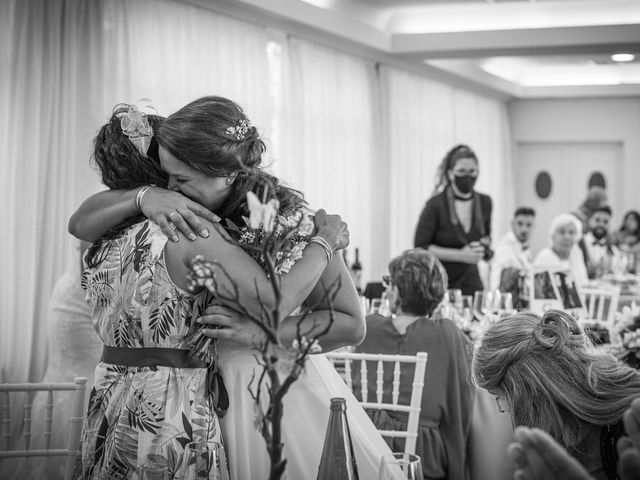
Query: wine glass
{"points": [[152, 471], [467, 302], [482, 305], [467, 311], [400, 466], [375, 305], [455, 299], [365, 305], [205, 460], [385, 308], [504, 303]]}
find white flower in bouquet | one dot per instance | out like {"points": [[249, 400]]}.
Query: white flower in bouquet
{"points": [[262, 214]]}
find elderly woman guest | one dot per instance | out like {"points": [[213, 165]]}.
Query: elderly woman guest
{"points": [[545, 374], [563, 254], [417, 285], [455, 224]]}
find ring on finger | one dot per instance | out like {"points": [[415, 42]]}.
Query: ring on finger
{"points": [[172, 226], [173, 213]]}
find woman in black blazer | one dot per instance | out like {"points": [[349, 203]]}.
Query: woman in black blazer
{"points": [[455, 224]]}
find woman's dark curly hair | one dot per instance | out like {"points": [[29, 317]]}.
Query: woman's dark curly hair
{"points": [[202, 136], [122, 166], [421, 280]]}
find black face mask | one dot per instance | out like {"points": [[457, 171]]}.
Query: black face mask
{"points": [[599, 232], [464, 183]]}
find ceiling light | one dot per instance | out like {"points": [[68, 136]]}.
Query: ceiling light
{"points": [[623, 57]]}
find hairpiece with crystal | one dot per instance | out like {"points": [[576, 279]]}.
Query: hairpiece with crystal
{"points": [[135, 125], [239, 131]]}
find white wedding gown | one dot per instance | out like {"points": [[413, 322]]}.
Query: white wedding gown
{"points": [[304, 422], [73, 351]]}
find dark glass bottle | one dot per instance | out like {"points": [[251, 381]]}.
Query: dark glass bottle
{"points": [[338, 461], [356, 272]]}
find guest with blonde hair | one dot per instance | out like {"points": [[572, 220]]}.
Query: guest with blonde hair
{"points": [[545, 373], [563, 253]]}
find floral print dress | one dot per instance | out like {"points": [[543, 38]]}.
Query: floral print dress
{"points": [[142, 415]]}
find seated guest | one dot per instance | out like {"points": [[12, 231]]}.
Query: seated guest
{"points": [[545, 373], [596, 198], [512, 255], [417, 285], [596, 247], [627, 238], [563, 254]]}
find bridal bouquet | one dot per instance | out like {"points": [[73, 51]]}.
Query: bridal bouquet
{"points": [[275, 240]]}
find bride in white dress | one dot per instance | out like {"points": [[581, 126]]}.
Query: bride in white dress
{"points": [[304, 423]]}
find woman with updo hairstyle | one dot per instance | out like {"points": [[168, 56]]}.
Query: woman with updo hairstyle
{"points": [[545, 373], [212, 135], [417, 284], [455, 224]]}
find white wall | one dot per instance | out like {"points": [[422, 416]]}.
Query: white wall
{"points": [[585, 120]]}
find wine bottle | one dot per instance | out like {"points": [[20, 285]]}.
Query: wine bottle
{"points": [[338, 461], [356, 272]]}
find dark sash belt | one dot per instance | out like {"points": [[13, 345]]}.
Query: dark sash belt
{"points": [[151, 357], [170, 357]]}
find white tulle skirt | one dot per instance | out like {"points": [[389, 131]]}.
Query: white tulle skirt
{"points": [[304, 423]]}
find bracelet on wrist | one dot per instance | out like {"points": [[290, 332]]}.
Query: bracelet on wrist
{"points": [[140, 194], [325, 246]]}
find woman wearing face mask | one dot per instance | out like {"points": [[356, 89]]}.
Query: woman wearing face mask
{"points": [[455, 224]]}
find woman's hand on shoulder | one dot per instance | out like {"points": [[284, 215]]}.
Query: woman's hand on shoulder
{"points": [[172, 210], [332, 228]]}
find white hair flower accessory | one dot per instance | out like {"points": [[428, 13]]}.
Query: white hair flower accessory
{"points": [[135, 125], [239, 131]]}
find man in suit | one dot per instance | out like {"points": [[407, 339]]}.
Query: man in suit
{"points": [[596, 244]]}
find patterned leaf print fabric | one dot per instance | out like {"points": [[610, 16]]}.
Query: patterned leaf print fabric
{"points": [[141, 415]]}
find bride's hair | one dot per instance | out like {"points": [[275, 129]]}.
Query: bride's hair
{"points": [[553, 379], [214, 136]]}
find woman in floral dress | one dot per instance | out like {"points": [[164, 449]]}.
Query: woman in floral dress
{"points": [[151, 396]]}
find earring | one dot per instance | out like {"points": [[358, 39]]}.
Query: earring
{"points": [[229, 180]]}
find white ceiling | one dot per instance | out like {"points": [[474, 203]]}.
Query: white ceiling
{"points": [[517, 48]]}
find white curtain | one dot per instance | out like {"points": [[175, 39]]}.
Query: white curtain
{"points": [[326, 137], [173, 53], [44, 150], [65, 64], [425, 119], [360, 140]]}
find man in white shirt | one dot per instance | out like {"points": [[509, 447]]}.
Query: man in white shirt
{"points": [[595, 244], [513, 251]]}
